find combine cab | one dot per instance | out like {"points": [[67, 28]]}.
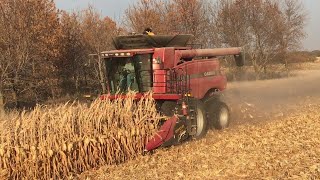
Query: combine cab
{"points": [[185, 82]]}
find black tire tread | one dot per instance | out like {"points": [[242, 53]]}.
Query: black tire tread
{"points": [[199, 104], [213, 110]]}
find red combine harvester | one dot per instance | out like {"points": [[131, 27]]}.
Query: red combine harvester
{"points": [[185, 82]]}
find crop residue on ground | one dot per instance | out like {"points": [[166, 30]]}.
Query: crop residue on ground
{"points": [[283, 148]]}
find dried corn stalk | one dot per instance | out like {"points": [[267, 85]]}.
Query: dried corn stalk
{"points": [[55, 142]]}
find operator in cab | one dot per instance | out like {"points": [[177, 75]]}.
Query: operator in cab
{"points": [[126, 78]]}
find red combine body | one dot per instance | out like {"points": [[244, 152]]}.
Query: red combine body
{"points": [[185, 82]]}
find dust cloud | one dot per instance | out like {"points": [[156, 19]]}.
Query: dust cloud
{"points": [[258, 101]]}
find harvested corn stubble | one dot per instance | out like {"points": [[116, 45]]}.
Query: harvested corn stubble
{"points": [[57, 142], [282, 148]]}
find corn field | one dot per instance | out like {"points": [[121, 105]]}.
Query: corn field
{"points": [[281, 148], [58, 142]]}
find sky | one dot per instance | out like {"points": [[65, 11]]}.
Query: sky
{"points": [[116, 8], [312, 42]]}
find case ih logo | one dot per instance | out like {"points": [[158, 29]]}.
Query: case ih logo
{"points": [[205, 74], [210, 73]]}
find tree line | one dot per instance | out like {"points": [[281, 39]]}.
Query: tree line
{"points": [[46, 53]]}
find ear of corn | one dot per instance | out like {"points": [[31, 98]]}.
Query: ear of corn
{"points": [[55, 142]]}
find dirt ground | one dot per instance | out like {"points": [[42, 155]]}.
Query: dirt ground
{"points": [[254, 101], [274, 134]]}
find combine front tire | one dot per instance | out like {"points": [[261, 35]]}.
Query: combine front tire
{"points": [[218, 115], [198, 118]]}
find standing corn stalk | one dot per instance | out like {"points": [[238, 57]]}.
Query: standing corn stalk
{"points": [[56, 142]]}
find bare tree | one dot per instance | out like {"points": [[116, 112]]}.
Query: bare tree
{"points": [[294, 22], [261, 26], [170, 17], [72, 63], [98, 33], [189, 16], [29, 43], [145, 14]]}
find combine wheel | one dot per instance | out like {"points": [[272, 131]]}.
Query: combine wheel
{"points": [[198, 118], [218, 114]]}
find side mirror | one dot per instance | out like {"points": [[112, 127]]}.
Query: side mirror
{"points": [[239, 60]]}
